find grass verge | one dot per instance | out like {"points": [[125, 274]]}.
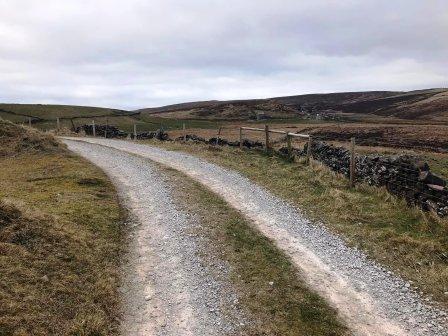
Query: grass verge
{"points": [[60, 241], [271, 291], [412, 243]]}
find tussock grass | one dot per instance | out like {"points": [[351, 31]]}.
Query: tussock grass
{"points": [[271, 291], [60, 241], [15, 140], [408, 240]]}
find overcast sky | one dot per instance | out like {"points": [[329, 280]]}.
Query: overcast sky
{"points": [[135, 53]]}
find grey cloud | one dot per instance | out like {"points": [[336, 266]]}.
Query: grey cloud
{"points": [[145, 53]]}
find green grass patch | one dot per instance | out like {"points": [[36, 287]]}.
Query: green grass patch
{"points": [[411, 242], [53, 111], [271, 291], [60, 245]]}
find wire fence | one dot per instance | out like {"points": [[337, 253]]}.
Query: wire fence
{"points": [[399, 172], [359, 159]]}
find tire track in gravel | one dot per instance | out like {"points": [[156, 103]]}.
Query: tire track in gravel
{"points": [[168, 288], [369, 298]]}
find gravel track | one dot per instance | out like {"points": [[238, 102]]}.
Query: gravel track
{"points": [[169, 288], [371, 299]]}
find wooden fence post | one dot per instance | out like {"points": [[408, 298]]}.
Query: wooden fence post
{"points": [[266, 131], [107, 126], [309, 151], [185, 132], [93, 128], [73, 125], [352, 163], [241, 138], [219, 134], [135, 131], [58, 125], [29, 121], [288, 141]]}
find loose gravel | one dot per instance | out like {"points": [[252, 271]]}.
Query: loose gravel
{"points": [[170, 288], [371, 299]]}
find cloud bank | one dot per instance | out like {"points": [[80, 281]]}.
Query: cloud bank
{"points": [[135, 53]]}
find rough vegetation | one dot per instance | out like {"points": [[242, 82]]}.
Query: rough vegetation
{"points": [[429, 138], [411, 242], [277, 301], [421, 106], [16, 140], [425, 105], [60, 238], [402, 175]]}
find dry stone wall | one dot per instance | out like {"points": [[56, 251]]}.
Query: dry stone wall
{"points": [[402, 175]]}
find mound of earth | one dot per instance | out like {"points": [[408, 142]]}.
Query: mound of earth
{"points": [[15, 139]]}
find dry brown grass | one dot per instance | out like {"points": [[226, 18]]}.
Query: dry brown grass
{"points": [[16, 139], [60, 241], [411, 242], [287, 307], [387, 135], [231, 132]]}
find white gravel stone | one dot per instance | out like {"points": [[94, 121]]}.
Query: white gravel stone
{"points": [[370, 298], [169, 289]]}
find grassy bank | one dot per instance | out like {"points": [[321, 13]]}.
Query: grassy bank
{"points": [[411, 242], [60, 239], [271, 292]]}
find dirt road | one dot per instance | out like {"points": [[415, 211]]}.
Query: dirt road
{"points": [[369, 298], [168, 289]]}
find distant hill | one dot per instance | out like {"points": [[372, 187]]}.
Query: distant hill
{"points": [[426, 106], [51, 112], [44, 116], [423, 105]]}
